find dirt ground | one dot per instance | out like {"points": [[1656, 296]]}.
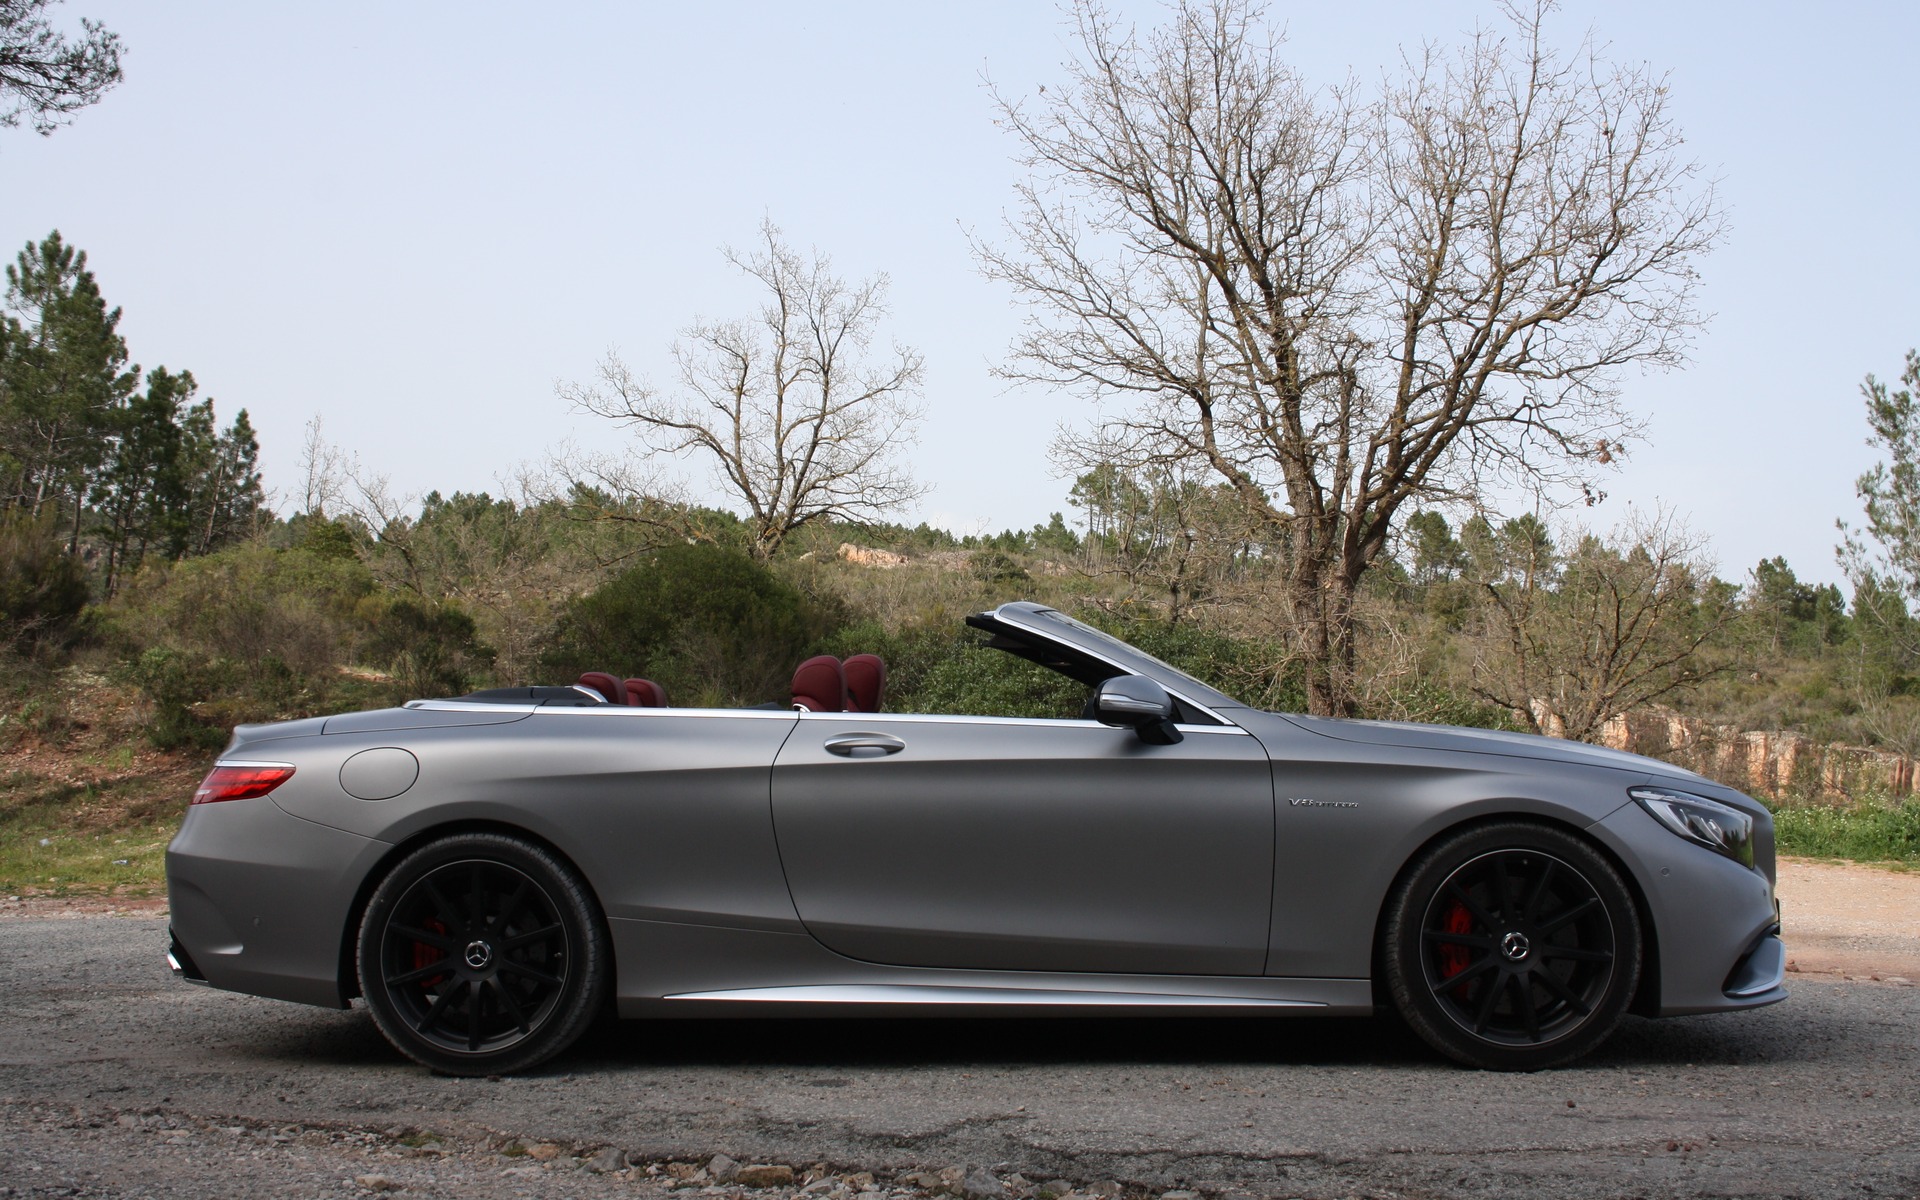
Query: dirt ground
{"points": [[1850, 920]]}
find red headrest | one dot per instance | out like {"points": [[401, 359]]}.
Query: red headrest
{"points": [[614, 691], [819, 685], [866, 682], [645, 693]]}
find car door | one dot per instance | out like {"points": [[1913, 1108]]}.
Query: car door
{"points": [[1013, 844]]}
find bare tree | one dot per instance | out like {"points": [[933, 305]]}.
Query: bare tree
{"points": [[1343, 305], [43, 76], [1619, 622], [796, 411]]}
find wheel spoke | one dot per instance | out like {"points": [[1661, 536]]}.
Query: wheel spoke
{"points": [[534, 973], [1539, 888], [1575, 953], [477, 899], [439, 1008], [1552, 983], [449, 915], [512, 905], [511, 1005], [476, 1003], [1473, 906], [1529, 1014], [1487, 1002], [438, 941], [1503, 888], [437, 967], [532, 935], [1464, 976], [1561, 920]]}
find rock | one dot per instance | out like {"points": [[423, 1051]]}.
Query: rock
{"points": [[609, 1159], [762, 1175], [886, 560], [722, 1168], [923, 1179], [981, 1185], [1179, 1194], [376, 1183], [1058, 1187]]}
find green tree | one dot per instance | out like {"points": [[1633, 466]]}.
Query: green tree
{"points": [[44, 76], [1437, 555], [141, 496], [1889, 546], [63, 379]]}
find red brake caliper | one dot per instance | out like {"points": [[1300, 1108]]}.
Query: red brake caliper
{"points": [[425, 955], [1453, 959]]}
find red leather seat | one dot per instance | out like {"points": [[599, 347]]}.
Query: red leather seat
{"points": [[866, 682], [609, 687], [820, 685], [645, 693]]}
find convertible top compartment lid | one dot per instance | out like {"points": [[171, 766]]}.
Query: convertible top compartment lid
{"points": [[382, 719]]}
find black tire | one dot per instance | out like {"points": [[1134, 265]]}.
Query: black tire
{"points": [[1512, 947], [482, 954]]}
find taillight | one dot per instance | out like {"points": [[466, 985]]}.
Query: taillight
{"points": [[241, 782]]}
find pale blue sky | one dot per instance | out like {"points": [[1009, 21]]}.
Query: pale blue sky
{"points": [[415, 218]]}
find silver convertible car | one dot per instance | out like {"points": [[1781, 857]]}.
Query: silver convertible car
{"points": [[493, 871]]}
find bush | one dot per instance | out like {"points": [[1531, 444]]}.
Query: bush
{"points": [[707, 623], [42, 588], [430, 649], [1873, 832], [247, 634], [181, 684]]}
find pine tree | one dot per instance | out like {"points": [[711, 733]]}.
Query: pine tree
{"points": [[63, 377]]}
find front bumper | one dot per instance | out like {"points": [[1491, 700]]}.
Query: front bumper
{"points": [[1715, 922]]}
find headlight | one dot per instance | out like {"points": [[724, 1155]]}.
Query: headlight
{"points": [[1698, 819]]}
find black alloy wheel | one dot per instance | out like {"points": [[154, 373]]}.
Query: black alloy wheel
{"points": [[1513, 947], [482, 954]]}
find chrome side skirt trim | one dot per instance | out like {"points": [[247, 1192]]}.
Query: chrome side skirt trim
{"points": [[900, 993]]}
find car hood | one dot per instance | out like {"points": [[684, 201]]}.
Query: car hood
{"points": [[1484, 741]]}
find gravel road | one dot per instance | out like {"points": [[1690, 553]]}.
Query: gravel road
{"points": [[117, 1080]]}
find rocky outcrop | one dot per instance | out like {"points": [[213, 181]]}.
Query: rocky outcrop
{"points": [[1772, 764], [865, 556]]}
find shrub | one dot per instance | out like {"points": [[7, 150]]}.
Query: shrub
{"points": [[707, 623], [42, 587], [180, 683], [1872, 832], [430, 649]]}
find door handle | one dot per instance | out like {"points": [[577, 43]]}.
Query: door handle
{"points": [[864, 745]]}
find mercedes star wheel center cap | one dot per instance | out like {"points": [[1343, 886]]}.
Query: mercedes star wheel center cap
{"points": [[1514, 946], [479, 954]]}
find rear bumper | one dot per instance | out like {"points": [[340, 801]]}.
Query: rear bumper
{"points": [[261, 900]]}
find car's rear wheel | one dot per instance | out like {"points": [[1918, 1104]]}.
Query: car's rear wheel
{"points": [[1512, 946], [482, 954]]}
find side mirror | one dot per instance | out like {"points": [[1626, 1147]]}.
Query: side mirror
{"points": [[1138, 703]]}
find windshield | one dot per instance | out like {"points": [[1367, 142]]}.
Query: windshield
{"points": [[1078, 636]]}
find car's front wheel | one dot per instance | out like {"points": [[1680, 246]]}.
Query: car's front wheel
{"points": [[482, 954], [1512, 946]]}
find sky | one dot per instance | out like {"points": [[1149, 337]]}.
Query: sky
{"points": [[415, 220]]}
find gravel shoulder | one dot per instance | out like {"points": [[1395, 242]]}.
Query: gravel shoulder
{"points": [[1850, 920]]}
